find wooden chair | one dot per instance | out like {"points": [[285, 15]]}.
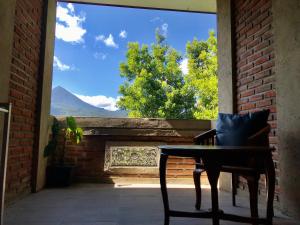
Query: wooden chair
{"points": [[260, 138]]}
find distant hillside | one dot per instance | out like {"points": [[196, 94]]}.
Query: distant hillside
{"points": [[64, 103]]}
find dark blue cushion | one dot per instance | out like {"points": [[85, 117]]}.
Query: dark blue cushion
{"points": [[234, 129]]}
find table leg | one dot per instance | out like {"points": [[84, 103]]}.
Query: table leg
{"points": [[213, 173], [234, 183], [163, 186], [270, 176], [252, 182], [197, 183]]}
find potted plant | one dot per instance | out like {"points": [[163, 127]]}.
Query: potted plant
{"points": [[60, 173]]}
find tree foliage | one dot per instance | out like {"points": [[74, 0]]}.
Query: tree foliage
{"points": [[155, 86], [202, 76], [72, 131]]}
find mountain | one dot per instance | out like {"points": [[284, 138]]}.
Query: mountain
{"points": [[64, 103]]}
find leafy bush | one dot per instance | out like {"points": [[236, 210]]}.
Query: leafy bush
{"points": [[71, 132]]}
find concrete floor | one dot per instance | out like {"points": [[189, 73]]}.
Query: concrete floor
{"points": [[100, 204]]}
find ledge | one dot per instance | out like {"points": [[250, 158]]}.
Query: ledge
{"points": [[141, 126]]}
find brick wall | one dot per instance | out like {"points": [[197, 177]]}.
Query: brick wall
{"points": [[255, 80], [89, 156], [23, 87]]}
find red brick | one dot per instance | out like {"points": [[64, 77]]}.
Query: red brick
{"points": [[247, 93], [255, 84], [263, 88], [246, 54], [261, 60], [242, 88], [245, 29], [253, 43], [261, 46], [268, 50], [254, 70], [270, 94], [266, 6], [245, 41], [261, 17], [246, 67], [255, 98], [240, 26], [23, 93], [253, 30], [267, 21], [242, 100], [255, 80], [15, 94], [268, 65], [246, 80], [262, 74], [247, 106], [270, 79], [267, 35], [263, 103], [242, 62], [255, 56]]}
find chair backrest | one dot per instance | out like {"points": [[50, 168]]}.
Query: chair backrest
{"points": [[206, 138], [235, 129], [261, 138]]}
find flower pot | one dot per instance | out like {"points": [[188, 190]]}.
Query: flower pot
{"points": [[60, 175]]}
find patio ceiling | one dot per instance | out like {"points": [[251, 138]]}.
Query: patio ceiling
{"points": [[207, 6]]}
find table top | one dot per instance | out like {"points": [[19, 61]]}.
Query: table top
{"points": [[195, 150]]}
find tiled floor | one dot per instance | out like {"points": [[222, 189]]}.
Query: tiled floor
{"points": [[99, 204]]}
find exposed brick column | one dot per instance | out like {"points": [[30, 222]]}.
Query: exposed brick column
{"points": [[23, 86], [254, 44]]}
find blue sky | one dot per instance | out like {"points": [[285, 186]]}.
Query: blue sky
{"points": [[91, 41]]}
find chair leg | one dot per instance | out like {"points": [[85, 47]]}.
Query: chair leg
{"points": [[267, 182], [234, 183], [197, 183], [253, 192]]}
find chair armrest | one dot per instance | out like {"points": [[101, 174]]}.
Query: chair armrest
{"points": [[260, 138], [205, 137]]}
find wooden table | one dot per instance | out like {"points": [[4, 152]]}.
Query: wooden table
{"points": [[214, 158]]}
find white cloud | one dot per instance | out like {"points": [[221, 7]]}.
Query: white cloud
{"points": [[101, 101], [123, 34], [69, 25], [184, 66], [100, 38], [100, 55], [60, 66], [108, 41], [156, 19], [71, 7], [164, 29]]}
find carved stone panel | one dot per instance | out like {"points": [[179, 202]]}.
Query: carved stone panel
{"points": [[132, 156]]}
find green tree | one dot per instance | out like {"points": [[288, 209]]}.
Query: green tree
{"points": [[154, 84], [202, 76]]}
